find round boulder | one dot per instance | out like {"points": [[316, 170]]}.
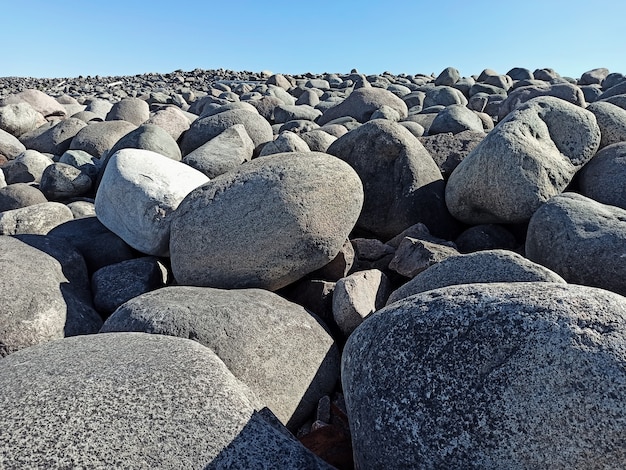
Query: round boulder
{"points": [[362, 103], [266, 224], [611, 120], [455, 118], [18, 195], [604, 177], [526, 159], [98, 137], [521, 375], [133, 110], [20, 118]]}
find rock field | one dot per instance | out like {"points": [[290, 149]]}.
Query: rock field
{"points": [[217, 269]]}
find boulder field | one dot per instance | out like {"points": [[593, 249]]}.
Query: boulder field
{"points": [[217, 269]]}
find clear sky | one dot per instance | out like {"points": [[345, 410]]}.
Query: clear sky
{"points": [[67, 38]]}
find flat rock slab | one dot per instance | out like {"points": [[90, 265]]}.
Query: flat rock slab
{"points": [[136, 401]]}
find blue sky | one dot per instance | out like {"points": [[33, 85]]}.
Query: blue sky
{"points": [[43, 38]]}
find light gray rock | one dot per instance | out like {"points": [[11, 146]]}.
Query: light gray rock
{"points": [[61, 181], [611, 120], [362, 103], [117, 283], [170, 119], [318, 140], [565, 91], [455, 118], [414, 256], [522, 375], [267, 224], [99, 107], [18, 195], [580, 239], [27, 167], [285, 142], [443, 96], [357, 296], [386, 112], [38, 100], [53, 137], [82, 209], [19, 118], [98, 137], [594, 76], [149, 137], [139, 192], [10, 146], [275, 347], [206, 128], [225, 152], [448, 77], [604, 177], [402, 183], [529, 157], [83, 161], [284, 113], [339, 267], [488, 266], [309, 98], [55, 415], [37, 219], [133, 110], [45, 293]]}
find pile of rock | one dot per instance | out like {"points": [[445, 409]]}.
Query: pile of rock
{"points": [[225, 269]]}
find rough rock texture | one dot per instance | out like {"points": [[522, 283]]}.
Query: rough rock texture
{"points": [[611, 120], [448, 150], [413, 256], [455, 118], [10, 146], [401, 182], [527, 375], [54, 137], [362, 103], [54, 303], [582, 240], [149, 137], [283, 215], [604, 177], [27, 167], [133, 110], [98, 137], [286, 142], [38, 100], [529, 157], [274, 346], [18, 195], [564, 91], [19, 118], [62, 181], [37, 219], [488, 266], [103, 401], [139, 192]]}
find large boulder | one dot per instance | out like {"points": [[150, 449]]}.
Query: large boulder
{"points": [[611, 120], [522, 375], [561, 90], [488, 266], [19, 118], [401, 181], [604, 177], [136, 401], [54, 303], [137, 195], [171, 119], [275, 347], [38, 100], [133, 110], [362, 103], [266, 224], [27, 167], [37, 219], [53, 137], [10, 146], [580, 239], [529, 157], [205, 128], [18, 195], [98, 137]]}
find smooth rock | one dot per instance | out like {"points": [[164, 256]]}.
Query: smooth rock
{"points": [[275, 347], [611, 120], [283, 216], [10, 146], [18, 195], [19, 118], [149, 137], [582, 240], [37, 219], [413, 256], [603, 178], [62, 181], [133, 110], [362, 103], [170, 119], [139, 192], [448, 77], [455, 118], [318, 140], [98, 137], [285, 142], [529, 157], [523, 375], [53, 137], [564, 91], [38, 100]]}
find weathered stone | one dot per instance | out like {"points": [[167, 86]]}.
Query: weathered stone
{"points": [[414, 256], [10, 146], [53, 137], [284, 216], [362, 103], [38, 100], [37, 219], [170, 119], [19, 118], [62, 181], [98, 137], [485, 237], [564, 91], [286, 142], [18, 195], [133, 110], [603, 178], [455, 118], [448, 150], [611, 120], [522, 375]]}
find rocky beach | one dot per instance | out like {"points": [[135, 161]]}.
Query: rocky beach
{"points": [[213, 269]]}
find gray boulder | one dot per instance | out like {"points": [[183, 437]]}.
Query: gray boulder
{"points": [[139, 192], [529, 157], [594, 76], [19, 118], [222, 153], [285, 142], [38, 100], [55, 412], [133, 110], [18, 195], [611, 120], [604, 177], [413, 256], [448, 77], [357, 296], [443, 96], [488, 266], [114, 284], [267, 224], [54, 303], [284, 113], [580, 239], [362, 103], [53, 137], [564, 91], [149, 137], [522, 375], [275, 347], [27, 167], [486, 237], [448, 150], [402, 183], [100, 107], [81, 160], [206, 128], [62, 181], [82, 209], [171, 119], [98, 137], [10, 146], [318, 140], [455, 118], [37, 219]]}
